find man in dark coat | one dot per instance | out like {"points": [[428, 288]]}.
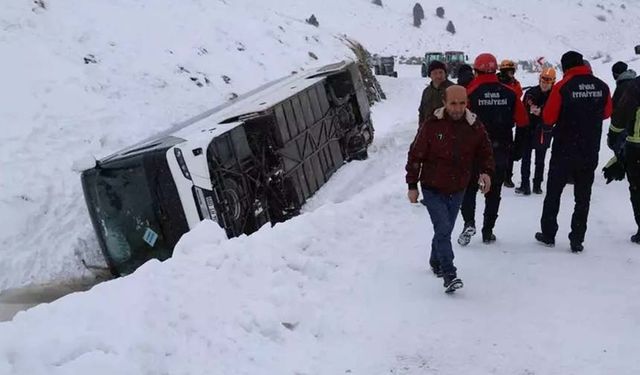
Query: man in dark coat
{"points": [[433, 94], [577, 106], [616, 138], [624, 140], [441, 158], [623, 75]]}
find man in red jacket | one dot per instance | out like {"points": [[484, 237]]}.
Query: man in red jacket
{"points": [[441, 157], [577, 106]]}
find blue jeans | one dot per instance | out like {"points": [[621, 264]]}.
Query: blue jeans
{"points": [[443, 210]]}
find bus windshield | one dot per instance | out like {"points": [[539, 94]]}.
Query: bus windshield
{"points": [[125, 212]]}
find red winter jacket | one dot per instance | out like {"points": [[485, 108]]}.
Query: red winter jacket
{"points": [[515, 85], [444, 151]]}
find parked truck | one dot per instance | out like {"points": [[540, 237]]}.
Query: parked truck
{"points": [[384, 65], [453, 60], [253, 161], [428, 58]]}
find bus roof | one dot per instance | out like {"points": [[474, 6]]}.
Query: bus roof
{"points": [[224, 117]]}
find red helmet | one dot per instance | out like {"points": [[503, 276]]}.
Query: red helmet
{"points": [[485, 63]]}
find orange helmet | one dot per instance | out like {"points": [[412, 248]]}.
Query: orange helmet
{"points": [[548, 74], [507, 64], [485, 63]]}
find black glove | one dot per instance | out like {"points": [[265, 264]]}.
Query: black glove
{"points": [[614, 170]]}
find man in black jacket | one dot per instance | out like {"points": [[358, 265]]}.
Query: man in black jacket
{"points": [[624, 140], [499, 108], [577, 106], [617, 137], [535, 137]]}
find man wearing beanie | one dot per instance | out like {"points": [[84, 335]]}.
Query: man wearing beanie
{"points": [[465, 75], [623, 75], [576, 108], [433, 95], [618, 68]]}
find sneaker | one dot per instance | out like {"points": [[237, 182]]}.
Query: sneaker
{"points": [[452, 283], [545, 240], [488, 238], [468, 232], [537, 189], [437, 270], [576, 247], [509, 183], [523, 190]]}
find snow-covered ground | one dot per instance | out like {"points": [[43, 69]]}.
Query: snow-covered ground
{"points": [[58, 112], [344, 289], [341, 289]]}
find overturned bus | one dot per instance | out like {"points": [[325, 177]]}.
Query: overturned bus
{"points": [[249, 162]]}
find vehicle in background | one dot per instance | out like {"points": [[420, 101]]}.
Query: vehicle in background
{"points": [[428, 58], [252, 161], [384, 65], [454, 59]]}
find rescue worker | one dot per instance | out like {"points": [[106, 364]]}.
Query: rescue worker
{"points": [[498, 108], [535, 137], [577, 106], [624, 140], [623, 76], [506, 75]]}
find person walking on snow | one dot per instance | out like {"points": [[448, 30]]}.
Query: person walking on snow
{"points": [[441, 157], [535, 137], [433, 94], [498, 108], [577, 106]]}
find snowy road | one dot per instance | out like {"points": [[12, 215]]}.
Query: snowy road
{"points": [[344, 289], [15, 300]]}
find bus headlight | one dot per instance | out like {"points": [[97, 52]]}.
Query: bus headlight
{"points": [[181, 163]]}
